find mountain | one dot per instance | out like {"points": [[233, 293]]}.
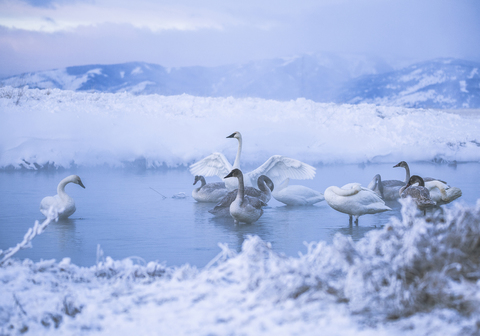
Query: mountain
{"points": [[441, 83], [316, 77]]}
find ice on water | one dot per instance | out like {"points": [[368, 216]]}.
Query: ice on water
{"points": [[415, 276]]}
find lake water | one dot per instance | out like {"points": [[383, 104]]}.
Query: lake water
{"points": [[132, 212]]}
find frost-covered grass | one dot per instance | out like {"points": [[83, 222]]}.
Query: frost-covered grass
{"points": [[415, 276], [54, 128]]}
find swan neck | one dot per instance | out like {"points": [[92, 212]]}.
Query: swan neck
{"points": [[61, 188], [202, 181], [407, 174], [236, 164], [241, 188], [262, 185]]}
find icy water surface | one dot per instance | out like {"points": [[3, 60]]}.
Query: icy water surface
{"points": [[143, 213]]}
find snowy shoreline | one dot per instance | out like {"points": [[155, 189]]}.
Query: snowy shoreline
{"points": [[67, 129]]}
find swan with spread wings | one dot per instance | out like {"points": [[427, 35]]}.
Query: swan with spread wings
{"points": [[277, 168]]}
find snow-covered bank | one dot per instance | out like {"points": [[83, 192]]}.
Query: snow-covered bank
{"points": [[65, 128], [412, 277]]}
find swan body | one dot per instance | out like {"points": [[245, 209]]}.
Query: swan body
{"points": [[296, 194], [354, 200], [277, 167], [419, 193], [441, 193], [264, 193], [61, 204], [244, 209], [388, 190], [208, 192]]}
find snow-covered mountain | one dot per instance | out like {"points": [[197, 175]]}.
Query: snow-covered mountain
{"points": [[316, 77], [440, 83]]}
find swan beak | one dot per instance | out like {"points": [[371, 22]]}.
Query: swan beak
{"points": [[81, 184], [229, 175], [231, 135], [397, 165]]}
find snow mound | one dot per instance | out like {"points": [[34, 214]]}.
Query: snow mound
{"points": [[54, 129]]}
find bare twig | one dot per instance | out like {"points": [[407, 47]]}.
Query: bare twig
{"points": [[158, 193], [27, 239]]}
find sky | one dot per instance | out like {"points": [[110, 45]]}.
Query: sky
{"points": [[47, 34]]}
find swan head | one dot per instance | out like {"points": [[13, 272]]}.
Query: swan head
{"points": [[267, 181], [402, 164], [235, 135], [197, 178], [76, 179], [234, 173], [415, 179]]}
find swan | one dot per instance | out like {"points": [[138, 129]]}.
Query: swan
{"points": [[441, 193], [354, 200], [407, 173], [277, 167], [62, 204], [388, 189], [296, 194], [264, 193], [208, 192], [244, 209], [419, 193]]}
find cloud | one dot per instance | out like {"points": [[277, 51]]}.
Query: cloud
{"points": [[156, 16]]}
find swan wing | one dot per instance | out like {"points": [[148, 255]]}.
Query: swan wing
{"points": [[255, 202], [227, 200], [214, 164], [367, 196], [279, 167]]}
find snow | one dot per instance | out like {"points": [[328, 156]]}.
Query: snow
{"points": [[412, 277], [65, 128], [137, 71]]}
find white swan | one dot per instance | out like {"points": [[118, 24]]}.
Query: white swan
{"points": [[441, 193], [277, 167], [388, 189], [208, 192], [354, 200], [264, 193], [61, 204], [244, 209], [296, 194]]}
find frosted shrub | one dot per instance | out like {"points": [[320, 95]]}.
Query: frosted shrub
{"points": [[416, 264]]}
